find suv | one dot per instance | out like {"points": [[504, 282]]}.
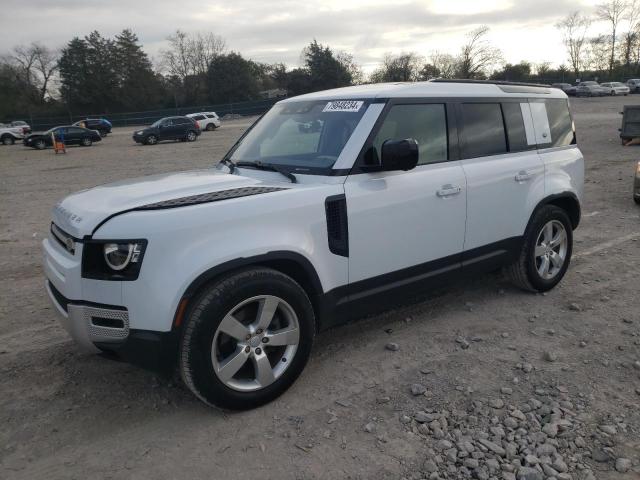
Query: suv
{"points": [[169, 128], [9, 134], [26, 129], [207, 120], [566, 88], [590, 89], [101, 125], [616, 88], [228, 273], [634, 85]]}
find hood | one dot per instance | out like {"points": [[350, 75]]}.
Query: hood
{"points": [[80, 213]]}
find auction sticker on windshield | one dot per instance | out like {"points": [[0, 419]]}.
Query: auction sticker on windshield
{"points": [[343, 106]]}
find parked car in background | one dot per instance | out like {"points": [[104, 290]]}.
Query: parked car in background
{"points": [[590, 89], [566, 88], [9, 134], [169, 128], [634, 85], [70, 135], [207, 120], [102, 125], [636, 185], [616, 88], [26, 129]]}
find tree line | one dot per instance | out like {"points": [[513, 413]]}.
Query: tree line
{"points": [[97, 74]]}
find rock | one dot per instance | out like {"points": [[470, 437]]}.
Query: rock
{"points": [[496, 403], [527, 367], [559, 465], [424, 417], [392, 346], [599, 455], [574, 307], [608, 429], [583, 344], [430, 466], [636, 364], [383, 400], [464, 344], [451, 455], [370, 427], [417, 389], [508, 476], [550, 356], [518, 414], [444, 445], [506, 391], [623, 465], [404, 419], [471, 463], [551, 429], [494, 447], [528, 473]]}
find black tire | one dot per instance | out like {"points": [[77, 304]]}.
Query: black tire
{"points": [[151, 140], [191, 136], [210, 127], [206, 313], [636, 199], [40, 144], [523, 272], [8, 140], [86, 142]]}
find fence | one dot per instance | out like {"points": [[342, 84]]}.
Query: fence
{"points": [[145, 118]]}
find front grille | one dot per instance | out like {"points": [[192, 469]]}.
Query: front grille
{"points": [[63, 238], [61, 299], [106, 325]]}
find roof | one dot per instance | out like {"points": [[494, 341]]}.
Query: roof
{"points": [[432, 89]]}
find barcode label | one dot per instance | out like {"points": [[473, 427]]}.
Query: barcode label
{"points": [[343, 106]]}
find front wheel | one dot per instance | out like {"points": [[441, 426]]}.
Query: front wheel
{"points": [[246, 339], [151, 140], [546, 251]]}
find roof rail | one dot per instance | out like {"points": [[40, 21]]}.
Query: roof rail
{"points": [[488, 82]]}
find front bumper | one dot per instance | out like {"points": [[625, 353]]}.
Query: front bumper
{"points": [[90, 324]]}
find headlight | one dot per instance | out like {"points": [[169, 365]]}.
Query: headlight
{"points": [[139, 132], [113, 260]]}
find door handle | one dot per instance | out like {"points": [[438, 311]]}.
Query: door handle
{"points": [[448, 191], [523, 176]]}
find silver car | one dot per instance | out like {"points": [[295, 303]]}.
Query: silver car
{"points": [[590, 89], [616, 88]]}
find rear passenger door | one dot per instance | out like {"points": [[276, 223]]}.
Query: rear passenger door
{"points": [[505, 176]]}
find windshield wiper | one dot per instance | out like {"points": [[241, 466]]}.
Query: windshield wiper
{"points": [[269, 166], [230, 164]]}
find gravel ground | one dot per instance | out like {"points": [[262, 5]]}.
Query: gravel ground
{"points": [[479, 380]]}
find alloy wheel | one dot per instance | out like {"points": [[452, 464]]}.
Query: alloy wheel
{"points": [[255, 343], [551, 249]]}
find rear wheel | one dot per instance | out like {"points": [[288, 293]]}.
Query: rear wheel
{"points": [[246, 339], [8, 140], [210, 127], [151, 140], [86, 142], [40, 144], [546, 251], [191, 136]]}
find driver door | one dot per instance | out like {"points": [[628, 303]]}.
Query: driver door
{"points": [[407, 227]]}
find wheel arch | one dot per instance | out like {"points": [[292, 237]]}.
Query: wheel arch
{"points": [[568, 201], [293, 264]]}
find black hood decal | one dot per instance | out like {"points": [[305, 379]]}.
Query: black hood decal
{"points": [[209, 197]]}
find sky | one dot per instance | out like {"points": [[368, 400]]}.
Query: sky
{"points": [[277, 30]]}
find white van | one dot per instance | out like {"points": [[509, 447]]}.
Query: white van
{"points": [[332, 204]]}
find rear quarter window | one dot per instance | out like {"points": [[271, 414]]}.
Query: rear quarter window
{"points": [[560, 123], [516, 133], [198, 117]]}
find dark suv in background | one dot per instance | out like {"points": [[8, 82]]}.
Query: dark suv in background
{"points": [[169, 128], [101, 125]]}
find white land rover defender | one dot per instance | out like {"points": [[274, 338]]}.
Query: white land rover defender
{"points": [[332, 204]]}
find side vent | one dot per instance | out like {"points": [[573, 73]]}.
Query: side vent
{"points": [[337, 224]]}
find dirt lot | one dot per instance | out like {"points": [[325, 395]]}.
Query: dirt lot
{"points": [[487, 380]]}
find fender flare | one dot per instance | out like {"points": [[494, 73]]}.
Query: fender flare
{"points": [[559, 198]]}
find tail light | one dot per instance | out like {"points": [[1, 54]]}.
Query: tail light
{"points": [[24, 130], [197, 125]]}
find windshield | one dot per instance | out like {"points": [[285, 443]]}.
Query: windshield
{"points": [[157, 123], [301, 135]]}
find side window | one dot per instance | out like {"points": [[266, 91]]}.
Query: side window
{"points": [[559, 122], [425, 123], [482, 130], [167, 122], [210, 116], [198, 117], [516, 133]]}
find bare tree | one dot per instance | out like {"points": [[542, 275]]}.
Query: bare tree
{"points": [[36, 64], [630, 38], [598, 53], [444, 64], [177, 58], [612, 12], [478, 55], [404, 67], [354, 69], [203, 49], [542, 69], [574, 31]]}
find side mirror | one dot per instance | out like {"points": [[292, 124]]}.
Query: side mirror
{"points": [[399, 155]]}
